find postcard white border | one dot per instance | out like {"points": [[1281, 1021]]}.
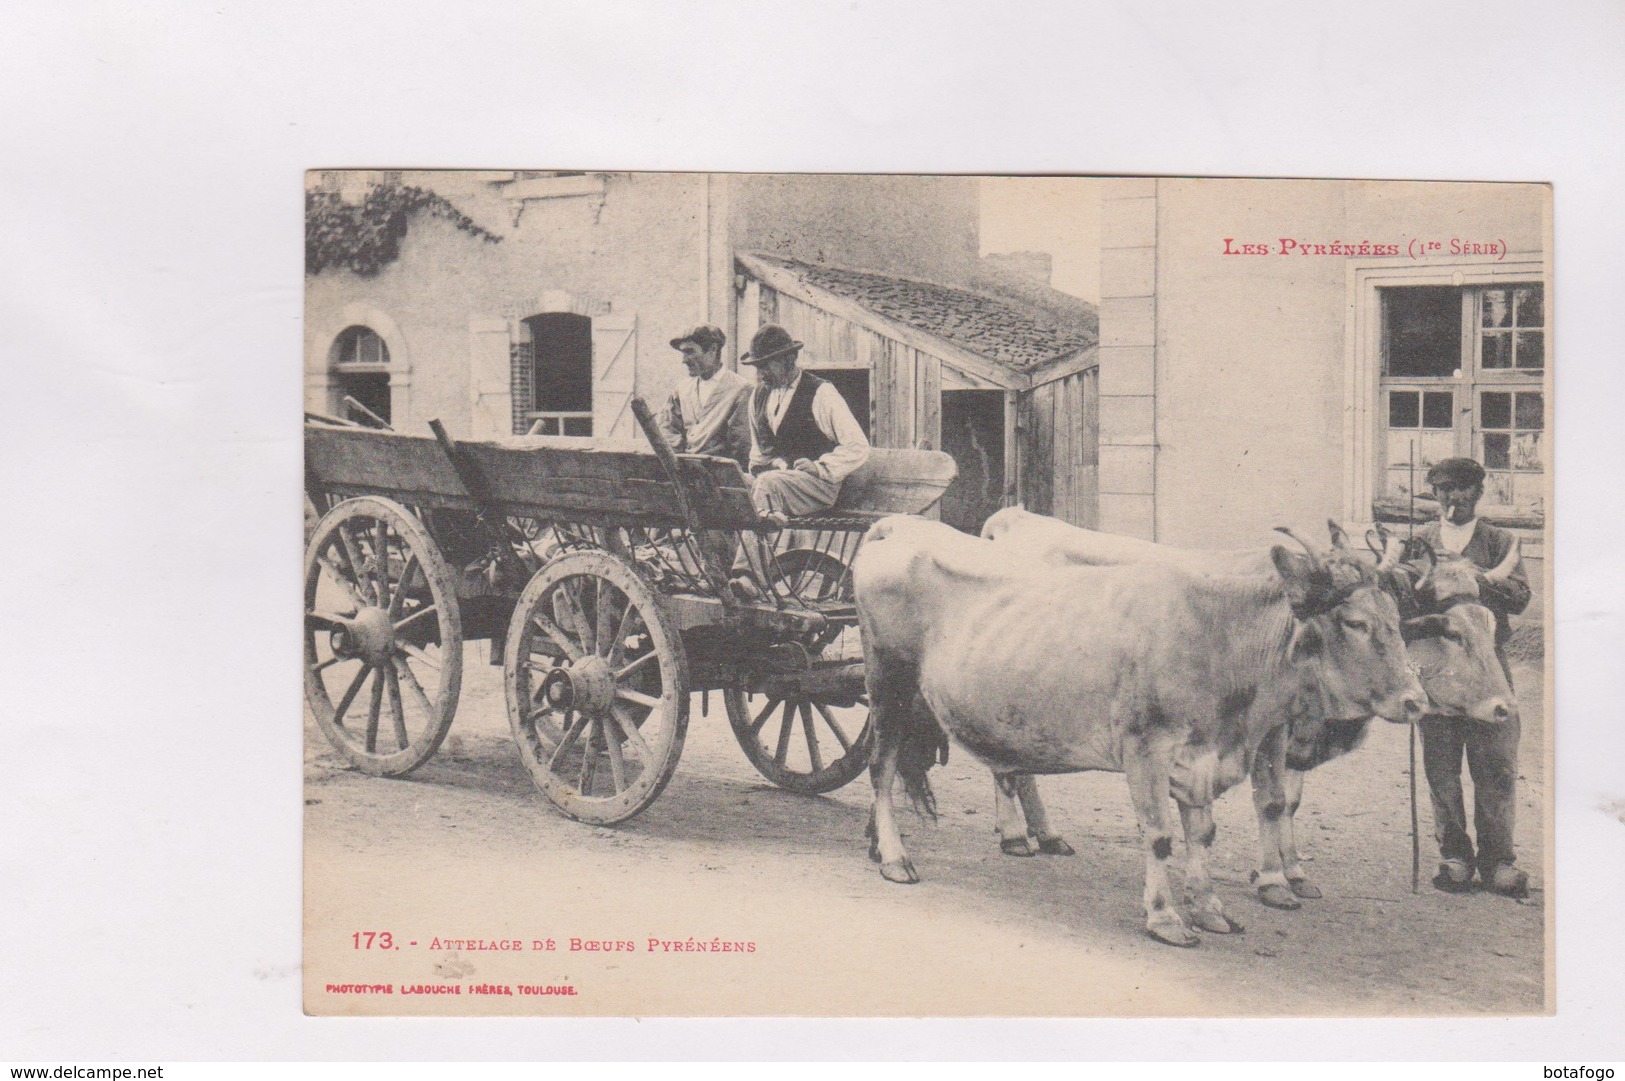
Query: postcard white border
{"points": [[152, 204]]}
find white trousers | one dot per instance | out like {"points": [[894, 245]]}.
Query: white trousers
{"points": [[791, 492]]}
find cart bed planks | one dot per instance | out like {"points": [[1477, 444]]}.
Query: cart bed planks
{"points": [[526, 477]]}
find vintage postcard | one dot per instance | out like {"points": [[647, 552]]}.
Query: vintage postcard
{"points": [[606, 658]]}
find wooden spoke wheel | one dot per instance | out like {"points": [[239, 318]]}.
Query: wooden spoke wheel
{"points": [[808, 741], [383, 637], [597, 687]]}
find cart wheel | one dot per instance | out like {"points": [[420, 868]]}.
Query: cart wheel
{"points": [[383, 637], [597, 687], [832, 746]]}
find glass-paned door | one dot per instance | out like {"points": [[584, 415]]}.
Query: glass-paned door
{"points": [[1462, 376], [1509, 433]]}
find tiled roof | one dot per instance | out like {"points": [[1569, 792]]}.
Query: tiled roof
{"points": [[1014, 335]]}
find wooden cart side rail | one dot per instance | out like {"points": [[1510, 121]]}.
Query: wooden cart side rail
{"points": [[607, 487], [565, 480]]}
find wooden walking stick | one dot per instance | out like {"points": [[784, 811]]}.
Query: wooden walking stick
{"points": [[1416, 839], [1416, 836]]}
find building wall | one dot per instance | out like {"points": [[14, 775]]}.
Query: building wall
{"points": [[1249, 363], [1127, 378], [915, 226], [1223, 383], [634, 252], [1059, 437]]}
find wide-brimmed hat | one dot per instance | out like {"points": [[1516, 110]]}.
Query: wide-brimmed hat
{"points": [[770, 343], [1456, 473], [705, 336]]}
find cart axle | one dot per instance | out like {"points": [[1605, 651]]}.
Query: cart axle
{"points": [[368, 634], [586, 685]]}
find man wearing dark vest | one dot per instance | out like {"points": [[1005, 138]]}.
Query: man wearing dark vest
{"points": [[804, 439], [1491, 749]]}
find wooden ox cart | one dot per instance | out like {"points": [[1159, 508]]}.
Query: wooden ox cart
{"points": [[600, 579]]}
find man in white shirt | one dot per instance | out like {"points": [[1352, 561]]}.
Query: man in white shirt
{"points": [[709, 411], [804, 439]]}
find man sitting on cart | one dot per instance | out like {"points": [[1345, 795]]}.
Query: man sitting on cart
{"points": [[708, 412], [804, 439]]}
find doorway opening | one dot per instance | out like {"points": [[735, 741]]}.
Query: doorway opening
{"points": [[973, 433]]}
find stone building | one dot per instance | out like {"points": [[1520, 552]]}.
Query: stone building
{"points": [[513, 302], [1274, 352], [517, 300]]}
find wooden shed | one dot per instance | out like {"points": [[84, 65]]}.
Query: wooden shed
{"points": [[1008, 388]]}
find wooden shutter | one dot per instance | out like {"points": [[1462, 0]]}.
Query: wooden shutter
{"points": [[490, 377], [614, 377]]}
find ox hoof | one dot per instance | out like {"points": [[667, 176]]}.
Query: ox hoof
{"points": [[1218, 923], [1305, 888], [1015, 846], [900, 871], [1278, 897], [1173, 934], [1055, 846]]}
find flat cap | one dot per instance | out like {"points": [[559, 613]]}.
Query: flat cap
{"points": [[1456, 472], [705, 336]]}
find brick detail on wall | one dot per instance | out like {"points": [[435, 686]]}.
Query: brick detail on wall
{"points": [[522, 371], [1128, 358]]}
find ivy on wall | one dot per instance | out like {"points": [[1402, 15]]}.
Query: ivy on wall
{"points": [[366, 238]]}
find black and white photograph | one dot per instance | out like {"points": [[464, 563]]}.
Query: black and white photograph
{"points": [[1075, 534], [864, 595]]}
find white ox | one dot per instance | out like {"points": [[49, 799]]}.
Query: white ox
{"points": [[1453, 648], [1172, 679]]}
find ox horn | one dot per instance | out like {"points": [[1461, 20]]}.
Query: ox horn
{"points": [[1432, 564], [1318, 564], [1389, 548], [1340, 537]]}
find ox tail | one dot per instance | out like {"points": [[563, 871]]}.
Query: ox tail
{"points": [[924, 745]]}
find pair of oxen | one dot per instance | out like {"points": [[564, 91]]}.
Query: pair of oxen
{"points": [[1044, 648]]}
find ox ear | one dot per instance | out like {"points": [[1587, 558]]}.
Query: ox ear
{"points": [[1297, 574], [1429, 626], [1340, 537], [1306, 643]]}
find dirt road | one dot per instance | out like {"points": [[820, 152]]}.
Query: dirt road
{"points": [[467, 850]]}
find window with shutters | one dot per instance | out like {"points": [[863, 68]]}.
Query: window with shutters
{"points": [[561, 378], [1462, 375]]}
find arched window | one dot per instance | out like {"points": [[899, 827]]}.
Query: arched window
{"points": [[359, 361], [561, 373]]}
